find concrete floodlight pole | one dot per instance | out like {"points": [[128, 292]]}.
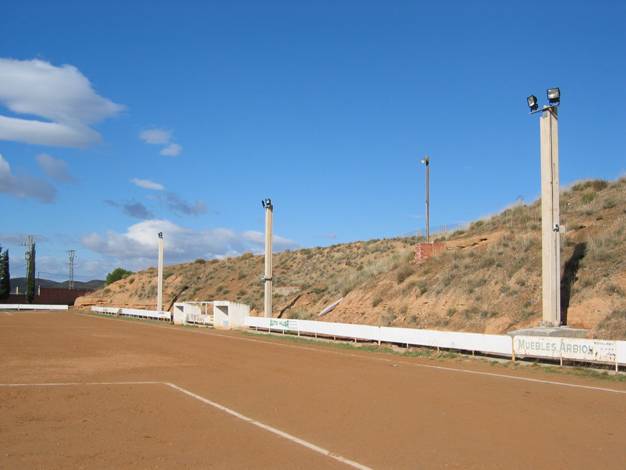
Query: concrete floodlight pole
{"points": [[160, 274], [267, 277], [550, 225], [426, 162]]}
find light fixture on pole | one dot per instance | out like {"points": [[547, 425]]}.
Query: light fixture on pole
{"points": [[426, 161], [532, 103], [550, 213], [554, 96], [267, 277]]}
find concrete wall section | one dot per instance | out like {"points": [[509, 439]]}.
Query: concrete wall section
{"points": [[586, 350], [32, 307], [133, 312]]}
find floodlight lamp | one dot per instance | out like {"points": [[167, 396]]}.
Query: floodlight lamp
{"points": [[554, 95], [532, 102]]}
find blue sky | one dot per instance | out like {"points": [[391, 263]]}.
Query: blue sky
{"points": [[326, 107]]}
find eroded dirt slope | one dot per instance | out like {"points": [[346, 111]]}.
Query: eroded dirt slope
{"points": [[488, 278]]}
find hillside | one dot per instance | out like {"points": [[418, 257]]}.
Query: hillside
{"points": [[81, 285], [488, 278]]}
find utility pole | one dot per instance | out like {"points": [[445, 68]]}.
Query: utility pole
{"points": [[550, 225], [71, 254], [426, 162], [550, 213], [160, 274], [267, 277]]}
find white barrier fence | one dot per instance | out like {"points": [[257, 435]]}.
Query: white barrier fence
{"points": [[588, 350], [32, 307], [133, 312]]}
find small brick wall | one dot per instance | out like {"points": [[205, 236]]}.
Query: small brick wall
{"points": [[423, 251]]}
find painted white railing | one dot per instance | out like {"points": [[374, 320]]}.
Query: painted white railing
{"points": [[588, 350], [32, 307], [133, 312]]}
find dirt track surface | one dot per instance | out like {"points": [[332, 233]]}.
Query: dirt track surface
{"points": [[374, 409]]}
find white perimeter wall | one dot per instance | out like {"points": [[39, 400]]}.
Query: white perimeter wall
{"points": [[132, 312], [590, 350], [32, 307]]}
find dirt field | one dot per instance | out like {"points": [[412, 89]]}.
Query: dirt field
{"points": [[128, 394]]}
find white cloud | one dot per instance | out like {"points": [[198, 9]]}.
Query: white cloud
{"points": [[172, 150], [156, 136], [62, 96], [24, 186], [54, 168], [137, 246], [147, 184]]}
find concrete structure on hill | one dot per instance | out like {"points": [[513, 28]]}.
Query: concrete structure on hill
{"points": [[221, 314]]}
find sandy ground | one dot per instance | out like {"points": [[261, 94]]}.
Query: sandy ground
{"points": [[377, 410]]}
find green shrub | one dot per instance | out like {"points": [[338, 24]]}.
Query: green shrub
{"points": [[116, 275], [588, 198], [403, 273], [423, 286], [596, 185], [614, 289]]}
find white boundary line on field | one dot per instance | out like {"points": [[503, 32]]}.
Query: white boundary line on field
{"points": [[373, 358], [254, 422]]}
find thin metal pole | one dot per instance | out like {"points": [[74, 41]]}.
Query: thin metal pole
{"points": [[426, 162], [427, 202]]}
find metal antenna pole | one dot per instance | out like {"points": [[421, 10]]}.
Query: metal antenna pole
{"points": [[71, 257], [426, 162], [267, 277]]}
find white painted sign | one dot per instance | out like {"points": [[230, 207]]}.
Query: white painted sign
{"points": [[278, 324], [566, 348]]}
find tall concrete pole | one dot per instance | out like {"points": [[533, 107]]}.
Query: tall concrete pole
{"points": [[267, 278], [426, 162], [160, 275], [550, 213]]}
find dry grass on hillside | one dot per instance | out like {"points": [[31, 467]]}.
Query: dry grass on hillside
{"points": [[488, 278]]}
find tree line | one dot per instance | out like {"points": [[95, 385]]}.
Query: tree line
{"points": [[5, 276]]}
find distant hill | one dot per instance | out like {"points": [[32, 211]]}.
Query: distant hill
{"points": [[20, 282]]}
